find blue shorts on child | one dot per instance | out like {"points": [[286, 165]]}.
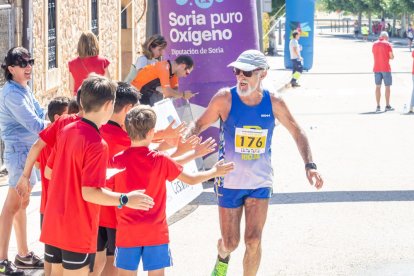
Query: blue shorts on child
{"points": [[153, 257]]}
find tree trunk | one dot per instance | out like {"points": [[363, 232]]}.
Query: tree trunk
{"points": [[369, 22], [403, 25], [394, 21]]}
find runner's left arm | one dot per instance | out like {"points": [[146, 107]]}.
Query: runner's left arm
{"points": [[283, 115]]}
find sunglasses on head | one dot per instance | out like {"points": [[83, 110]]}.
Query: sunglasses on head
{"points": [[23, 63], [247, 74]]}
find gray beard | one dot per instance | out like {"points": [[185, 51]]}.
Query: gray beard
{"points": [[246, 93]]}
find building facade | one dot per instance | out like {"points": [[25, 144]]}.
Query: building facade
{"points": [[57, 25]]}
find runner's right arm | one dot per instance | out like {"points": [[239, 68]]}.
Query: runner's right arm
{"points": [[218, 107]]}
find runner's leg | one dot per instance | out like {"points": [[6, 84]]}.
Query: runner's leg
{"points": [[256, 213]]}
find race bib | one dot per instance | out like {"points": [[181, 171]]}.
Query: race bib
{"points": [[250, 140]]}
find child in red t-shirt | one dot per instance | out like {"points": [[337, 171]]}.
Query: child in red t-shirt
{"points": [[79, 160], [118, 140], [56, 108], [147, 169]]}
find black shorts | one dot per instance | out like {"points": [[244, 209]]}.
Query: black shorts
{"points": [[106, 240], [69, 260]]}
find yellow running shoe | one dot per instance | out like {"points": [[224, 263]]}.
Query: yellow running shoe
{"points": [[220, 269]]}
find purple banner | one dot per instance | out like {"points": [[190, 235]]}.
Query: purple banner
{"points": [[213, 33]]}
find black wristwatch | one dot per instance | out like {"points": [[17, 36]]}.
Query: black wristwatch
{"points": [[311, 166], [123, 200]]}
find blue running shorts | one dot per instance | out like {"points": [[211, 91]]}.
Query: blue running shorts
{"points": [[234, 198], [153, 257]]}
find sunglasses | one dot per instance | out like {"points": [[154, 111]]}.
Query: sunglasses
{"points": [[247, 74], [23, 63]]}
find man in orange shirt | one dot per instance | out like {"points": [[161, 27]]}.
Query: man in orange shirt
{"points": [[382, 51], [159, 80]]}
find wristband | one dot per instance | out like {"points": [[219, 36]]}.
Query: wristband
{"points": [[311, 166], [123, 200]]}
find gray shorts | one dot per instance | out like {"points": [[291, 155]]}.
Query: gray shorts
{"points": [[14, 160], [386, 76]]}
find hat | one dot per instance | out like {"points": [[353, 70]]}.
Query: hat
{"points": [[250, 60]]}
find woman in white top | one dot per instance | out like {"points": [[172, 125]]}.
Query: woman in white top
{"points": [[152, 51]]}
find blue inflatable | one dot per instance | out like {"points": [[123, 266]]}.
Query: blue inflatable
{"points": [[300, 16]]}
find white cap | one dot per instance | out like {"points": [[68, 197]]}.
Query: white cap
{"points": [[250, 60]]}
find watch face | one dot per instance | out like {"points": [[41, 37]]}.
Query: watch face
{"points": [[311, 166], [124, 199]]}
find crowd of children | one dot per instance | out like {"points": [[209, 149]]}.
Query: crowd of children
{"points": [[99, 225]]}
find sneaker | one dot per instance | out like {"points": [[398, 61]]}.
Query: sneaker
{"points": [[220, 269], [389, 108], [29, 261], [378, 109], [8, 268], [295, 84]]}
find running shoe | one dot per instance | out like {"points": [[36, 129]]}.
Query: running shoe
{"points": [[8, 268], [29, 261], [378, 109], [389, 108], [220, 269]]}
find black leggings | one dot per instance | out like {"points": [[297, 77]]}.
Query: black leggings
{"points": [[297, 67]]}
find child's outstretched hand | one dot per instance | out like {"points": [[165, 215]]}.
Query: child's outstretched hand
{"points": [[173, 133], [206, 147], [138, 200], [185, 145], [223, 168]]}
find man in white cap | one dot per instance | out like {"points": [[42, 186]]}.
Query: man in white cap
{"points": [[382, 51], [247, 114]]}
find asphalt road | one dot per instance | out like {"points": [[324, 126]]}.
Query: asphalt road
{"points": [[362, 221]]}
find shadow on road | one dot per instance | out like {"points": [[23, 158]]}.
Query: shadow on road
{"points": [[209, 198]]}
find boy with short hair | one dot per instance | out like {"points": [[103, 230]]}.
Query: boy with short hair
{"points": [[56, 108], [147, 169], [79, 162], [117, 139], [73, 106]]}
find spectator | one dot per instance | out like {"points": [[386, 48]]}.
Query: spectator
{"points": [[411, 110], [56, 108], [160, 80], [382, 51], [21, 119], [88, 61], [295, 48], [365, 32], [356, 28], [410, 36], [152, 51]]}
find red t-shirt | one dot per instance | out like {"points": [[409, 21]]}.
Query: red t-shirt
{"points": [[49, 134], [117, 140], [412, 54], [144, 169], [44, 155], [381, 50], [80, 68], [71, 223]]}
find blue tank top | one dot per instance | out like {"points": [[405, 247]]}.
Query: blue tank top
{"points": [[246, 138]]}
